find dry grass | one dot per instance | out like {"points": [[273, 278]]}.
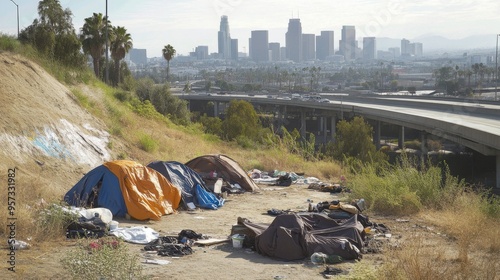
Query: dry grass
{"points": [[463, 245], [36, 188], [467, 223]]}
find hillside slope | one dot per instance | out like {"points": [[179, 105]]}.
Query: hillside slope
{"points": [[42, 127]]}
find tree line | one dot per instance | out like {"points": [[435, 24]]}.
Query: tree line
{"points": [[53, 35]]}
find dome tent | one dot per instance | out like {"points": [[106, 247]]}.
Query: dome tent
{"points": [[225, 167], [126, 187]]}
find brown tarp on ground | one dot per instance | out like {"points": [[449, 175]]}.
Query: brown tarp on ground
{"points": [[226, 168], [298, 236]]}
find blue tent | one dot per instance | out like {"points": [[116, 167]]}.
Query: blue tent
{"points": [[186, 179], [98, 188]]}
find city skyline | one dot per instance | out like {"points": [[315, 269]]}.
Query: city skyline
{"points": [[190, 23]]}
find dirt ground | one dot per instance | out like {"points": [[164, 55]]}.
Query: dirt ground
{"points": [[220, 261]]}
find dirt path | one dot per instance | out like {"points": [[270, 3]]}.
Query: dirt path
{"points": [[220, 261]]}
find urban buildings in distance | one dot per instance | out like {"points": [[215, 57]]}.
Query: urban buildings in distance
{"points": [[299, 47], [293, 38]]}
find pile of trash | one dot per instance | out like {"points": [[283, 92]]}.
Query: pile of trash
{"points": [[280, 178], [175, 246]]}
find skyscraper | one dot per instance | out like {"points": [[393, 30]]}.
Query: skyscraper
{"points": [[201, 52], [405, 47], [294, 40], [138, 56], [234, 49], [369, 48], [348, 44], [324, 45], [224, 38], [275, 50], [308, 47], [259, 45], [416, 49]]}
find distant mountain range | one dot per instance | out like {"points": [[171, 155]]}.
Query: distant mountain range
{"points": [[440, 43]]}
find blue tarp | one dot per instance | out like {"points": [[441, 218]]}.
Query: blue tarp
{"points": [[181, 176], [206, 199], [103, 182]]}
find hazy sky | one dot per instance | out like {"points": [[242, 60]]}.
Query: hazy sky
{"points": [[186, 24]]}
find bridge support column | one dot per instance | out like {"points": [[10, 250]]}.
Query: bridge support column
{"points": [[279, 121], [281, 117], [498, 172], [423, 145], [376, 135], [324, 129], [333, 128], [401, 138], [303, 124], [216, 109]]}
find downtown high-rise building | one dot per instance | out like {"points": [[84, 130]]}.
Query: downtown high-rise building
{"points": [[274, 51], [224, 39], [347, 44], [201, 52], [138, 57], [369, 48], [259, 45], [308, 47], [234, 49], [405, 47], [416, 49], [324, 45], [293, 40]]}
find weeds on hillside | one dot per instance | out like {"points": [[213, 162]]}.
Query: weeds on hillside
{"points": [[83, 99], [106, 258], [405, 188], [148, 143], [8, 43]]}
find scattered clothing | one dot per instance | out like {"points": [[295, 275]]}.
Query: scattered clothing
{"points": [[175, 246]]}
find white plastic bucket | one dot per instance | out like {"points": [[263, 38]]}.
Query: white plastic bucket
{"points": [[238, 240], [113, 225]]}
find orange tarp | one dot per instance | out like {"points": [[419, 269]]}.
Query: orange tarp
{"points": [[147, 194]]}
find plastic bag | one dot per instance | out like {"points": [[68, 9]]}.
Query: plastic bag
{"points": [[322, 258]]}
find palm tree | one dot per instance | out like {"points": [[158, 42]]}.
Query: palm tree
{"points": [[168, 53], [121, 43], [93, 38]]}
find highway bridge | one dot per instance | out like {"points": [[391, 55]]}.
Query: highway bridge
{"points": [[471, 123]]}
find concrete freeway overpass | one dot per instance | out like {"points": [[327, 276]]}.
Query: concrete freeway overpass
{"points": [[473, 124]]}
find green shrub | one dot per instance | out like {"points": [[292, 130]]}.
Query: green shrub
{"points": [[123, 96], [53, 221], [145, 109], [404, 188], [83, 100], [148, 143], [8, 43], [245, 142], [105, 258], [413, 144]]}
